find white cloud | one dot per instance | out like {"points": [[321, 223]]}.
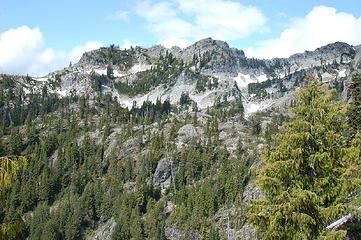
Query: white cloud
{"points": [[22, 51], [168, 43], [319, 27], [119, 15], [188, 20], [126, 44], [78, 51]]}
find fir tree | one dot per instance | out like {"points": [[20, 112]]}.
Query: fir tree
{"points": [[310, 172], [354, 110], [9, 168]]}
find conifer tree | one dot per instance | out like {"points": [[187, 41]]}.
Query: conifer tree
{"points": [[8, 170], [309, 174], [354, 110]]}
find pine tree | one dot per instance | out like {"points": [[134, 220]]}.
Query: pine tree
{"points": [[354, 110], [9, 168], [110, 73], [310, 172]]}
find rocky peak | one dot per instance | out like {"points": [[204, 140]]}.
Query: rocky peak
{"points": [[211, 45], [208, 43], [335, 47], [333, 51], [156, 51], [199, 48]]}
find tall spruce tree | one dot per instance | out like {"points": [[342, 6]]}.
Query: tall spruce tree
{"points": [[9, 166], [310, 172], [354, 110]]}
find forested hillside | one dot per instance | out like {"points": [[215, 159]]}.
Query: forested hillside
{"points": [[157, 144]]}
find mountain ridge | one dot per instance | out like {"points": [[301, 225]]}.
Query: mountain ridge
{"points": [[136, 70]]}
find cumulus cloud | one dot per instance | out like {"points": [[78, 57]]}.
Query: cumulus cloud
{"points": [[168, 43], [119, 15], [23, 52], [78, 51], [180, 21], [322, 25], [126, 44]]}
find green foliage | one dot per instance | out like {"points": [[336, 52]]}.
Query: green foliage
{"points": [[164, 72], [219, 187], [237, 108], [205, 82], [110, 73], [309, 174], [354, 110], [259, 89], [98, 80], [123, 59], [13, 230], [185, 99], [9, 168]]}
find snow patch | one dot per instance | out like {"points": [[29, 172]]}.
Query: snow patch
{"points": [[42, 79], [253, 107], [101, 71], [243, 80], [135, 69], [139, 68], [342, 73], [118, 74], [327, 77], [262, 78], [26, 90], [62, 93], [98, 71], [173, 94]]}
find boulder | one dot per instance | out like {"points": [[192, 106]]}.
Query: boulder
{"points": [[162, 174]]}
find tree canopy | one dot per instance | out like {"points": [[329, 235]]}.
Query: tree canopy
{"points": [[310, 173], [9, 166]]}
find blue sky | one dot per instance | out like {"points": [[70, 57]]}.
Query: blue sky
{"points": [[39, 36]]}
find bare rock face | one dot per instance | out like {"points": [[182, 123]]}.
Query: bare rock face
{"points": [[96, 135], [173, 233], [129, 147], [247, 232], [209, 45], [112, 141], [130, 187], [120, 151], [104, 231], [251, 192], [188, 132], [162, 175], [338, 51]]}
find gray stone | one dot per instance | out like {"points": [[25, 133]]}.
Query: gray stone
{"points": [[173, 233], [252, 192], [104, 231], [188, 132], [162, 174]]}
